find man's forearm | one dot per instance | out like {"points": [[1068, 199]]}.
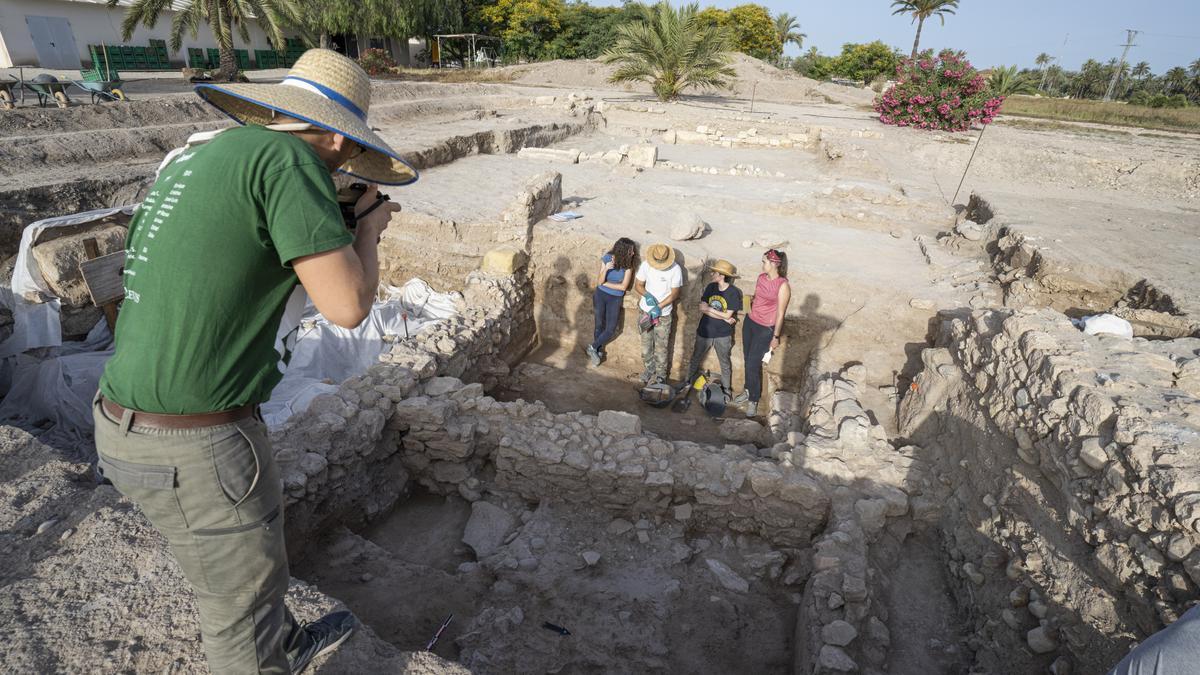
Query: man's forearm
{"points": [[366, 247]]}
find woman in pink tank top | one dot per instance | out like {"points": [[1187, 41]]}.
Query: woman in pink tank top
{"points": [[761, 331]]}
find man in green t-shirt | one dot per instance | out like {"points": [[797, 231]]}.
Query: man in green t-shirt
{"points": [[237, 232]]}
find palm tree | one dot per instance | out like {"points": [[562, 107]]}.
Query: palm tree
{"points": [[788, 29], [1008, 80], [1042, 61], [1194, 68], [921, 10], [672, 52], [222, 16], [1141, 71], [1175, 79]]}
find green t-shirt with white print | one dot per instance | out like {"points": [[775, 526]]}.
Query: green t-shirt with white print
{"points": [[212, 304]]}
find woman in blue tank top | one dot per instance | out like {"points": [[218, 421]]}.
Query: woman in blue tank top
{"points": [[616, 271]]}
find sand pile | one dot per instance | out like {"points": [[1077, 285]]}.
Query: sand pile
{"points": [[765, 81]]}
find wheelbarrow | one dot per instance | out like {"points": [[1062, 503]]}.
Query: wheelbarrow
{"points": [[47, 88], [102, 90], [7, 102]]}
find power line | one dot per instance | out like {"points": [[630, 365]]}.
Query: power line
{"points": [[1130, 34]]}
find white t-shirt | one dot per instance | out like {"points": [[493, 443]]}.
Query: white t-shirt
{"points": [[659, 284]]}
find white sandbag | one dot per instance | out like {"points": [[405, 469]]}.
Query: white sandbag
{"points": [[1106, 324], [59, 387]]}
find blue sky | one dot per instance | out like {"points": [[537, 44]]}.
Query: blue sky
{"points": [[995, 32]]}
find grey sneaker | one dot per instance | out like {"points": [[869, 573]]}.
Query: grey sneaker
{"points": [[741, 398], [325, 634], [751, 408], [593, 356]]}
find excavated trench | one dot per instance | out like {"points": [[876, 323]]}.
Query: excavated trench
{"points": [[1020, 499]]}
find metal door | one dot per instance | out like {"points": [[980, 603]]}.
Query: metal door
{"points": [[54, 42]]}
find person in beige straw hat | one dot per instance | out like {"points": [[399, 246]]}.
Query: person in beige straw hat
{"points": [[719, 304], [238, 226], [657, 281]]}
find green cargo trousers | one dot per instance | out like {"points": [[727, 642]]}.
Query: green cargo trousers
{"points": [[215, 494]]}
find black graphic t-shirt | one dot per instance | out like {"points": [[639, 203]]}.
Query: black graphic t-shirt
{"points": [[722, 300]]}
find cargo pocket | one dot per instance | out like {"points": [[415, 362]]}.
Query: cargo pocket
{"points": [[151, 486], [243, 558]]}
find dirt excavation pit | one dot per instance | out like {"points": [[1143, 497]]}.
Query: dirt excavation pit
{"points": [[945, 475], [645, 596]]}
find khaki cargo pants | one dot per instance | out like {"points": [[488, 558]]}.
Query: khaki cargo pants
{"points": [[215, 494], [655, 343]]}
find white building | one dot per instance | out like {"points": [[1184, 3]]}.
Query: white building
{"points": [[56, 34]]}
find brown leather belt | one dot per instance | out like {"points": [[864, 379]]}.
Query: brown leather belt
{"points": [[158, 421]]}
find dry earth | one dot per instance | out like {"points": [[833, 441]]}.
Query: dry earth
{"points": [[981, 487]]}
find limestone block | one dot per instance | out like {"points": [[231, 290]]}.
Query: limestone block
{"points": [[1092, 453], [487, 528], [742, 431], [836, 659], [58, 260], [871, 515], [503, 261], [550, 155], [643, 155], [693, 137], [687, 226], [727, 577], [838, 632], [619, 423], [440, 386]]}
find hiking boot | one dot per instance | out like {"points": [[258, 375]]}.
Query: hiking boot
{"points": [[593, 356], [324, 634], [741, 398], [751, 408]]}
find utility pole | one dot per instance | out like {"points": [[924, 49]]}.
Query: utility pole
{"points": [[1112, 84]]}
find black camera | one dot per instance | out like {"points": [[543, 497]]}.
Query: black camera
{"points": [[348, 198]]}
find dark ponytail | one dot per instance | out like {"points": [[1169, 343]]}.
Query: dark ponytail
{"points": [[782, 265]]}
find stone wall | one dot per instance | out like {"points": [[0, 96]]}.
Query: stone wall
{"points": [[456, 439], [339, 458], [1070, 464]]}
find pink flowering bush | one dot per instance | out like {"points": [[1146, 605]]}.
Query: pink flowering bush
{"points": [[938, 92]]}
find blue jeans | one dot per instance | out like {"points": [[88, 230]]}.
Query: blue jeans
{"points": [[608, 312]]}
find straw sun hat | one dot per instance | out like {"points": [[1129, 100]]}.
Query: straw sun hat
{"points": [[660, 256], [326, 90], [724, 267]]}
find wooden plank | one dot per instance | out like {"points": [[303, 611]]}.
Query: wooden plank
{"points": [[104, 277]]}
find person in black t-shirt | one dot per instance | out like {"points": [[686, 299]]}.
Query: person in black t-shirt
{"points": [[719, 306]]}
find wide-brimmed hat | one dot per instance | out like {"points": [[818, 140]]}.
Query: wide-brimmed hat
{"points": [[660, 256], [724, 267], [326, 90]]}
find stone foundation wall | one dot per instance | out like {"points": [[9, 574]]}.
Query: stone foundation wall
{"points": [[339, 458], [456, 439], [1070, 466]]}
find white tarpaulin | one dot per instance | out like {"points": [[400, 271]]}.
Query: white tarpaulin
{"points": [[1104, 324], [326, 354], [57, 384]]}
